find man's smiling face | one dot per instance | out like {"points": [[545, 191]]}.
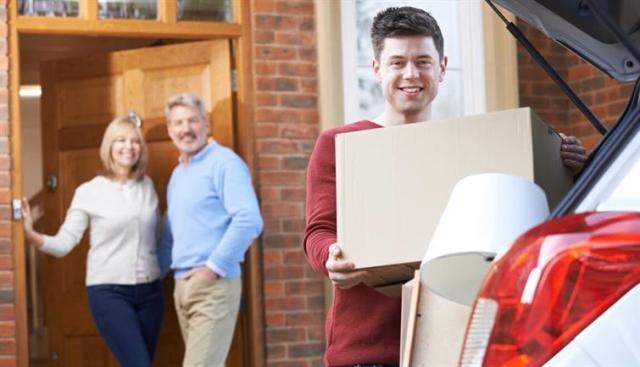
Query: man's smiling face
{"points": [[409, 70]]}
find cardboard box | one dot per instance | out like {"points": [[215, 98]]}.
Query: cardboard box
{"points": [[393, 183], [435, 326]]}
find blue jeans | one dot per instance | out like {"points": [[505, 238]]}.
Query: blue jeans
{"points": [[129, 318]]}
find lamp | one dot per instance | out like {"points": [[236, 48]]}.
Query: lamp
{"points": [[484, 215]]}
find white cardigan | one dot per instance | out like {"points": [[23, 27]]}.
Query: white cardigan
{"points": [[123, 221]]}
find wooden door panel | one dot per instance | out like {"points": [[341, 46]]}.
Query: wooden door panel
{"points": [[90, 101], [88, 352], [162, 83], [163, 156], [80, 97], [76, 167]]}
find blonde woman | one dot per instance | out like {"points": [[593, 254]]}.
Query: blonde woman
{"points": [[120, 207]]}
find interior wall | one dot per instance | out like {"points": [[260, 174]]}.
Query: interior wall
{"points": [[31, 145]]}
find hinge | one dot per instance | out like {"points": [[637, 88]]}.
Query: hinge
{"points": [[234, 80]]}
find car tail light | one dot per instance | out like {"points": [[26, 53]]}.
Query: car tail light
{"points": [[553, 282]]}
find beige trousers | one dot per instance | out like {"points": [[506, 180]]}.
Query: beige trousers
{"points": [[207, 313]]}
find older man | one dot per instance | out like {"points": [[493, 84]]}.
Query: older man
{"points": [[212, 218]]}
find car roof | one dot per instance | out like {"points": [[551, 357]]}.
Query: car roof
{"points": [[572, 24]]}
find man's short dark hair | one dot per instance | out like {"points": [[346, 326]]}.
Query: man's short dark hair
{"points": [[404, 21]]}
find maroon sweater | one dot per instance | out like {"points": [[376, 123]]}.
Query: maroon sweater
{"points": [[363, 326]]}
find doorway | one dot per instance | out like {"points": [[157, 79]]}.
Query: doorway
{"points": [[83, 82]]}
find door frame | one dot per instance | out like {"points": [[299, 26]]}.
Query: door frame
{"points": [[244, 143]]}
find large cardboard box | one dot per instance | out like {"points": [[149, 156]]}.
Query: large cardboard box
{"points": [[435, 326], [393, 183]]}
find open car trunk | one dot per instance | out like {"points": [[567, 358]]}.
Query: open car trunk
{"points": [[606, 34]]}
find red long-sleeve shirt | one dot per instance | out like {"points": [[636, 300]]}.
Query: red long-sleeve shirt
{"points": [[363, 326]]}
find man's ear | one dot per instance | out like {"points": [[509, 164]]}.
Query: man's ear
{"points": [[443, 68], [375, 65]]}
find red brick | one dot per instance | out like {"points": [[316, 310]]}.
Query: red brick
{"points": [[266, 99], [305, 350], [294, 7], [7, 329], [292, 271], [301, 287], [274, 53], [299, 100], [280, 241], [307, 24], [304, 69], [282, 178], [264, 6], [265, 67], [268, 194], [282, 209], [293, 194], [264, 37], [304, 318], [272, 225], [273, 289], [268, 162], [275, 351], [266, 130], [295, 163], [6, 279], [286, 303], [280, 335], [7, 312], [295, 256], [293, 225], [306, 131], [295, 38], [309, 85], [274, 319], [278, 22], [7, 346], [8, 361], [265, 114], [277, 146], [6, 247], [6, 261], [308, 54]]}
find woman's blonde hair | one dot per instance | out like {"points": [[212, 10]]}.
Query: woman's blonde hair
{"points": [[117, 127]]}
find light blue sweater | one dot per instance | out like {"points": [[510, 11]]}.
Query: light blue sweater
{"points": [[213, 214]]}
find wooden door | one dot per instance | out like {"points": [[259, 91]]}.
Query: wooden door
{"points": [[80, 97]]}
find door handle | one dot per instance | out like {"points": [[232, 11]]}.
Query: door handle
{"points": [[52, 182]]}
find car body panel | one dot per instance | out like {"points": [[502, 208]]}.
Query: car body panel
{"points": [[570, 23], [611, 340]]}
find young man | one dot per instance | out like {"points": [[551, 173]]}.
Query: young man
{"points": [[363, 326], [213, 216]]}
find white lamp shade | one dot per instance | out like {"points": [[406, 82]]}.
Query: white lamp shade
{"points": [[484, 215]]}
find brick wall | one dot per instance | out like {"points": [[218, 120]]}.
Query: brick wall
{"points": [[286, 121], [605, 96], [7, 306]]}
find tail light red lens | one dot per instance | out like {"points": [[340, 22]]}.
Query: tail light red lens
{"points": [[554, 281]]}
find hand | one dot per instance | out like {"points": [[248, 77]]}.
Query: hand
{"points": [[573, 153], [27, 220], [31, 235], [341, 272], [202, 273]]}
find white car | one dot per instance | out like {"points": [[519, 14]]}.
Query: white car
{"points": [[567, 292]]}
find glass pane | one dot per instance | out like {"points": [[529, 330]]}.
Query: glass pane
{"points": [[213, 10], [50, 8], [127, 9]]}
